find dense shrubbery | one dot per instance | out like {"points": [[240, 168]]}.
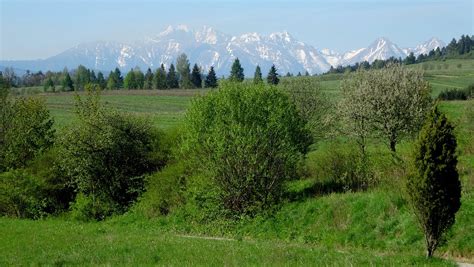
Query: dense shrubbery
{"points": [[106, 156], [457, 94], [248, 139]]}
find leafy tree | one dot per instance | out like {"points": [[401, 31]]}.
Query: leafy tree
{"points": [[139, 78], [112, 81], [26, 132], [67, 84], [237, 72], [148, 80], [211, 79], [389, 103], [272, 77], [434, 187], [248, 139], [257, 77], [172, 78], [82, 77], [130, 81], [101, 80], [196, 79], [159, 79], [183, 68], [49, 84]]}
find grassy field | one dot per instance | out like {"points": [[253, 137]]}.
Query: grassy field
{"points": [[362, 228]]}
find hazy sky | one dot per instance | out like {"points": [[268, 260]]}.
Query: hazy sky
{"points": [[38, 29]]}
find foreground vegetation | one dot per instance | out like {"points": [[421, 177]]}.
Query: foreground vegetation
{"points": [[327, 213]]}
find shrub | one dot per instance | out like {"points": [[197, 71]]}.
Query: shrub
{"points": [[26, 131], [457, 94], [108, 153], [249, 138], [339, 168], [20, 195], [434, 187]]}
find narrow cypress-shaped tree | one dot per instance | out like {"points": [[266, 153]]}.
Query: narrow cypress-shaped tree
{"points": [[148, 80], [118, 78], [434, 187], [49, 84], [272, 77], [196, 79], [101, 80], [211, 79], [257, 77], [237, 72], [172, 78]]}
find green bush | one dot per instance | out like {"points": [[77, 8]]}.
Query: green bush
{"points": [[457, 94], [26, 130], [249, 139], [108, 153], [88, 207], [21, 195], [338, 167]]}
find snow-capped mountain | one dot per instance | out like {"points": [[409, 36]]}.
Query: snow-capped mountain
{"points": [[427, 46], [208, 47]]}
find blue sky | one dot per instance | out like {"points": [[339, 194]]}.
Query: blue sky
{"points": [[38, 29]]}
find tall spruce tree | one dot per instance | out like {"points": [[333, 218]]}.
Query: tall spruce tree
{"points": [[148, 79], [272, 77], [196, 79], [211, 79], [118, 78], [172, 78], [159, 79], [130, 80], [257, 77], [434, 187], [101, 80], [237, 72]]}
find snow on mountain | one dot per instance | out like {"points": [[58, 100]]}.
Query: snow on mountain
{"points": [[208, 47], [427, 46]]}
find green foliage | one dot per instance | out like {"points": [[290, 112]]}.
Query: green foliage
{"points": [[172, 78], [250, 139], [196, 79], [211, 79], [159, 79], [257, 77], [115, 80], [20, 195], [49, 84], [148, 83], [183, 68], [101, 80], [89, 207], [26, 131], [457, 94], [130, 82], [434, 187], [312, 103], [108, 153], [272, 77], [67, 83], [82, 77], [237, 72]]}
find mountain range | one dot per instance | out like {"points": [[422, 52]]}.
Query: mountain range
{"points": [[209, 47]]}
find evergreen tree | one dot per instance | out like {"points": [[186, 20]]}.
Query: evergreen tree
{"points": [[288, 74], [172, 78], [306, 73], [49, 84], [183, 68], [211, 79], [434, 188], [92, 77], [196, 79], [82, 77], [118, 78], [272, 77], [299, 74], [159, 79], [112, 82], [67, 84], [237, 72], [410, 59], [101, 80], [148, 80], [257, 77]]}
